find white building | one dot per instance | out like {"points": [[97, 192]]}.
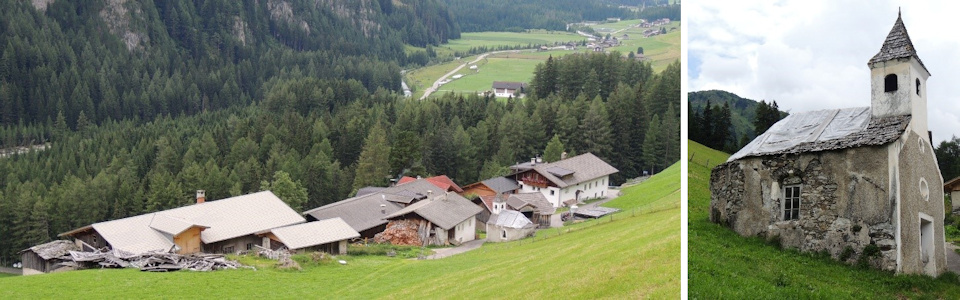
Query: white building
{"points": [[567, 181]]}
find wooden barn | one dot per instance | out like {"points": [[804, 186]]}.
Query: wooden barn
{"points": [[46, 258]]}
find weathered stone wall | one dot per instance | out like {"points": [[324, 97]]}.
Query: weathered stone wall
{"points": [[844, 201], [917, 164]]}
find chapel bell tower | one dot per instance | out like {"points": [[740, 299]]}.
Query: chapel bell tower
{"points": [[898, 80]]}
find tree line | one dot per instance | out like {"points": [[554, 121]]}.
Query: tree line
{"points": [[315, 141], [712, 125], [91, 63]]}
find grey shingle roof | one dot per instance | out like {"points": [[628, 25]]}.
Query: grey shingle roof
{"points": [[825, 130], [584, 166], [54, 249], [535, 200], [364, 212], [314, 233], [368, 190], [510, 219], [171, 225], [501, 184], [897, 45], [445, 211], [227, 218]]}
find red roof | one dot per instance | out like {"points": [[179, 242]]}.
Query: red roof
{"points": [[441, 181], [488, 201]]}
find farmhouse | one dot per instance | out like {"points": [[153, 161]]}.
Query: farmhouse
{"points": [[508, 89], [328, 235], [491, 187], [534, 206], [444, 219], [566, 181], [509, 225], [47, 258], [853, 182], [442, 182], [366, 213], [221, 226]]}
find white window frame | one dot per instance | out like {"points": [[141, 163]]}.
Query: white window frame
{"points": [[788, 210]]}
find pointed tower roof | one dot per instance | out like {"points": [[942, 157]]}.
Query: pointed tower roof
{"points": [[897, 45]]}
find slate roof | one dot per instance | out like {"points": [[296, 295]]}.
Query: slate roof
{"points": [[445, 211], [227, 218], [314, 233], [368, 190], [364, 212], [510, 85], [584, 167], [825, 130], [54, 249], [535, 200], [510, 219], [441, 181], [501, 184], [897, 45]]}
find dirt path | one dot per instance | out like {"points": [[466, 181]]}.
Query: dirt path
{"points": [[445, 252], [953, 259], [436, 84]]}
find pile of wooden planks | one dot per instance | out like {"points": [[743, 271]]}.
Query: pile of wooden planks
{"points": [[151, 261]]}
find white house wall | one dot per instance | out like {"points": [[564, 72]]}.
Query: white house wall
{"points": [[597, 188], [466, 231]]}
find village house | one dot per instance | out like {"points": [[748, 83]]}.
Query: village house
{"points": [[534, 206], [47, 258], [365, 213], [442, 219], [509, 89], [483, 192], [567, 181], [221, 226], [854, 182], [509, 225], [330, 236], [444, 183]]}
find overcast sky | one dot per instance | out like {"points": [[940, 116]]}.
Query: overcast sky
{"points": [[813, 54]]}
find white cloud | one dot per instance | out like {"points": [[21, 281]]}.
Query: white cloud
{"points": [[810, 55]]}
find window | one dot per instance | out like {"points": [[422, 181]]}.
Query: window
{"points": [[228, 249], [918, 86], [890, 83], [551, 192], [503, 234], [791, 202], [249, 246]]}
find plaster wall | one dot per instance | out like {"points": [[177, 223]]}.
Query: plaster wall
{"points": [[921, 194]]}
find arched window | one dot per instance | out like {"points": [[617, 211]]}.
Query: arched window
{"points": [[918, 86], [890, 83]]}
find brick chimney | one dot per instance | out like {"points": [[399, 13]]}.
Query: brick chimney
{"points": [[200, 196]]}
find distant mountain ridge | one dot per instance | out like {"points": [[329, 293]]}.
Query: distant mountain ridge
{"points": [[742, 112]]}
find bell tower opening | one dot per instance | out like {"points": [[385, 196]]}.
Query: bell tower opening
{"points": [[890, 83]]}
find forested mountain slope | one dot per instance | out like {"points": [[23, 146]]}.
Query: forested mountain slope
{"points": [[518, 15], [82, 62]]}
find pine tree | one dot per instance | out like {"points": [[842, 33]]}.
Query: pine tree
{"points": [[595, 134], [554, 150], [652, 147], [373, 166]]}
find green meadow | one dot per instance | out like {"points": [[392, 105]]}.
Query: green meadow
{"points": [[634, 254], [724, 265]]}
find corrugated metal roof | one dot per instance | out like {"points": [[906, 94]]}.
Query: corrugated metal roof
{"points": [[315, 233], [227, 218], [824, 130], [535, 200], [585, 167], [501, 184], [364, 212], [445, 211], [510, 219], [897, 45]]}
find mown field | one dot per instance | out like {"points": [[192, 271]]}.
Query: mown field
{"points": [[519, 66], [724, 265], [628, 258]]}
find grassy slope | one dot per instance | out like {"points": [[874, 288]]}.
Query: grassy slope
{"points": [[631, 257], [724, 265]]}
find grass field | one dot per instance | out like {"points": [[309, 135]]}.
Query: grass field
{"points": [[2, 275], [629, 258], [724, 265], [661, 50]]}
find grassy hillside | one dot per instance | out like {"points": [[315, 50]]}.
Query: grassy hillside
{"points": [[628, 258], [725, 265]]}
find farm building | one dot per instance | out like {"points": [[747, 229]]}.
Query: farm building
{"points": [[532, 205], [441, 181], [365, 213], [566, 181], [330, 236], [221, 226], [509, 89], [953, 188], [443, 219], [491, 187], [853, 182], [46, 258], [509, 225]]}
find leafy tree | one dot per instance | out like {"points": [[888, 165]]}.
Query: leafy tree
{"points": [[554, 150], [948, 158], [288, 190]]}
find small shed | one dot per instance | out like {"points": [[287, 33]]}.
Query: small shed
{"points": [[46, 258], [509, 225], [952, 188]]}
